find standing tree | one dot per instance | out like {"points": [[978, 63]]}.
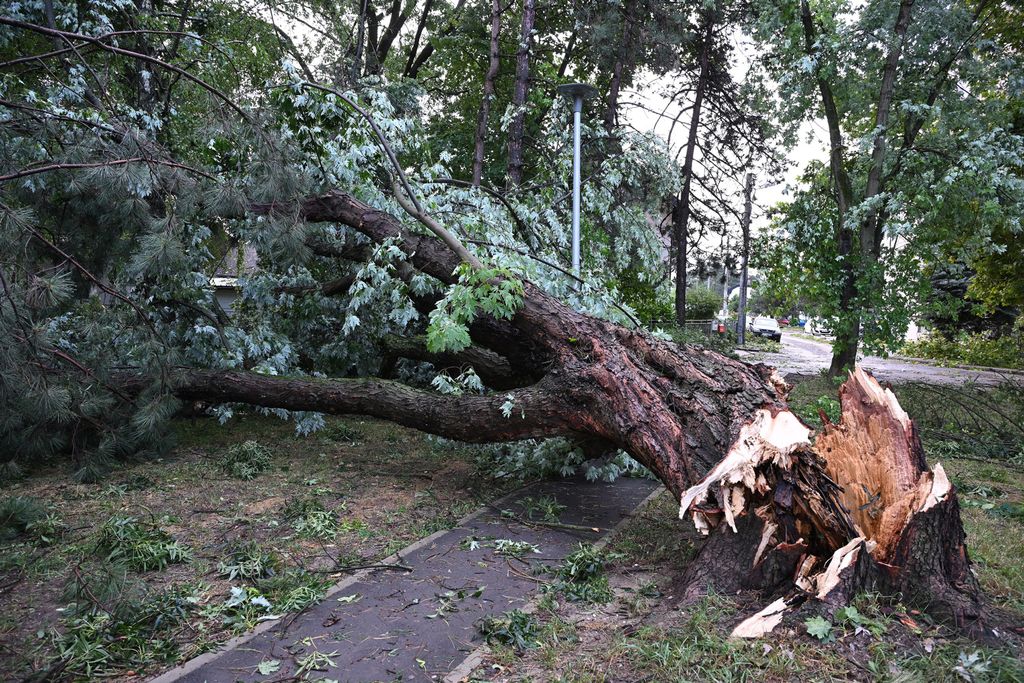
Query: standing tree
{"points": [[907, 151]]}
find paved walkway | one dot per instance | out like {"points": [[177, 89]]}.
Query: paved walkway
{"points": [[419, 625]]}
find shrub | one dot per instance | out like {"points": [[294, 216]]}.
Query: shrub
{"points": [[971, 349], [138, 545], [702, 303], [246, 460]]}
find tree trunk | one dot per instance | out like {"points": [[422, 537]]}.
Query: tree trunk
{"points": [[518, 128], [855, 509], [621, 69], [741, 312], [681, 217], [415, 49], [485, 102]]}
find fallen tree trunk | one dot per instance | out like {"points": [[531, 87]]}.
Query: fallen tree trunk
{"points": [[856, 508]]}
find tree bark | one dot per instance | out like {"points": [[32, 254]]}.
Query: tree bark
{"points": [[681, 215], [488, 95], [856, 509], [518, 128]]}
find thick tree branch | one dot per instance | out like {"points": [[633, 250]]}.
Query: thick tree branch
{"points": [[536, 411]]}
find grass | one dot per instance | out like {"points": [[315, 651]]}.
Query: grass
{"points": [[236, 517]]}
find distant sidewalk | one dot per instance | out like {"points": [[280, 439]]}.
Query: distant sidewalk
{"points": [[418, 625]]}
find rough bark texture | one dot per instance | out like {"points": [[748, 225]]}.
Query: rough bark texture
{"points": [[494, 62], [517, 130], [856, 508]]}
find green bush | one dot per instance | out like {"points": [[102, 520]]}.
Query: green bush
{"points": [[702, 303], [17, 514], [246, 460], [971, 349]]}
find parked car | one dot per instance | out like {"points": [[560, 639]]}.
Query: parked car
{"points": [[819, 327], [763, 326], [783, 321]]}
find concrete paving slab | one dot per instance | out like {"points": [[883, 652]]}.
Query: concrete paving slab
{"points": [[419, 625]]}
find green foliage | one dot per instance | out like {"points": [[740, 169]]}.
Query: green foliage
{"points": [[250, 561], [242, 609], [546, 508], [17, 514], [702, 303], [847, 621], [490, 291], [820, 628], [246, 460], [116, 623], [581, 576], [651, 305], [517, 549], [811, 412], [515, 629], [311, 519], [294, 589], [971, 349], [139, 545]]}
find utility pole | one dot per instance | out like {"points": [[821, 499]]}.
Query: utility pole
{"points": [[741, 313]]}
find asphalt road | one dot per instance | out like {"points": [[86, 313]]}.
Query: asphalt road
{"points": [[801, 356]]}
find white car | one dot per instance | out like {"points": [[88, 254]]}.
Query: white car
{"points": [[763, 326]]}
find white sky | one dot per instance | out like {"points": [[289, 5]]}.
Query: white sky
{"points": [[813, 137]]}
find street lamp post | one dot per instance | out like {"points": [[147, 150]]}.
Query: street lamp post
{"points": [[578, 92]]}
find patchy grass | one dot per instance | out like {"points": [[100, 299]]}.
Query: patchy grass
{"points": [[166, 559]]}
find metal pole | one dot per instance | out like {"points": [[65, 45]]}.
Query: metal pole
{"points": [[577, 107], [741, 313]]}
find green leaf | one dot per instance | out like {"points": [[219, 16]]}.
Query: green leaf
{"points": [[270, 666], [819, 627]]}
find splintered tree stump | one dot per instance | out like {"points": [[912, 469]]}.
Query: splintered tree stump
{"points": [[807, 518], [858, 509]]}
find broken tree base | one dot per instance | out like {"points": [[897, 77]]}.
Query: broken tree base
{"points": [[858, 509]]}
